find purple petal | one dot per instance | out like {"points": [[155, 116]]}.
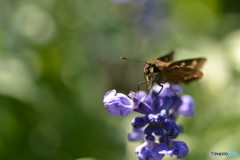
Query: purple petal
{"points": [[143, 108], [150, 137], [176, 88], [152, 118], [166, 91], [169, 152], [187, 108], [138, 122], [136, 135], [138, 97], [165, 103], [148, 151], [118, 104], [169, 124], [164, 149], [124, 99], [149, 129], [109, 94], [180, 149], [158, 130], [141, 95]]}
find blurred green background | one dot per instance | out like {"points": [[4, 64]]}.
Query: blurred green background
{"points": [[59, 57]]}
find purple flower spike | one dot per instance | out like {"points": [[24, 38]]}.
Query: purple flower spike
{"points": [[187, 108], [118, 103], [157, 126]]}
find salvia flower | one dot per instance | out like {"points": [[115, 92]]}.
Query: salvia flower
{"points": [[118, 103], [157, 124]]}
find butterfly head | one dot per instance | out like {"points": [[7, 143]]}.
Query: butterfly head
{"points": [[151, 68]]}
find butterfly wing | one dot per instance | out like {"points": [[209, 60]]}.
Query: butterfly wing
{"points": [[195, 63], [183, 75], [167, 58]]}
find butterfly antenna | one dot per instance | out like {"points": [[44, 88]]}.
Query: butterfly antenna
{"points": [[130, 59]]}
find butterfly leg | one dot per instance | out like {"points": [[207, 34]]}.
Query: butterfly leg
{"points": [[158, 91], [157, 94], [140, 83]]}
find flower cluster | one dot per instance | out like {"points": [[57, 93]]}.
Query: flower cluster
{"points": [[157, 126]]}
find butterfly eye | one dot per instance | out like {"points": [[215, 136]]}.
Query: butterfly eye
{"points": [[152, 66]]}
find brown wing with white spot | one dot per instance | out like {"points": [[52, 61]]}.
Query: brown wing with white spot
{"points": [[183, 75], [195, 63], [167, 58]]}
